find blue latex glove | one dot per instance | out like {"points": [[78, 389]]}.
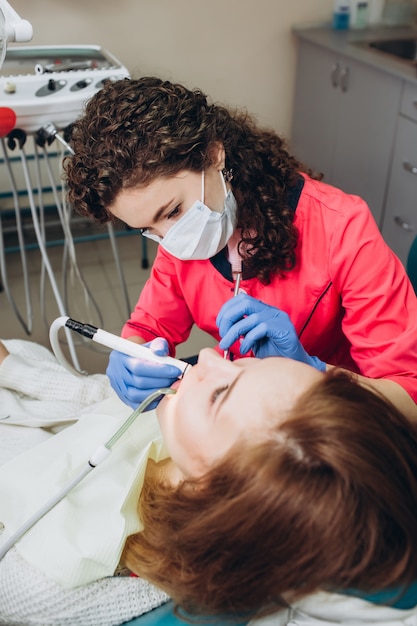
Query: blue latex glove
{"points": [[133, 379], [266, 330]]}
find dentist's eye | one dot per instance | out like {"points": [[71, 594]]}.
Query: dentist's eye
{"points": [[174, 213], [216, 393]]}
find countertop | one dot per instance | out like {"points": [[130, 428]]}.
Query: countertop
{"points": [[354, 44]]}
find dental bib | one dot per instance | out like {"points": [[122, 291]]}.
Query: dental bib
{"points": [[81, 539]]}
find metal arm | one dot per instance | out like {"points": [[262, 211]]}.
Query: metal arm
{"points": [[13, 27]]}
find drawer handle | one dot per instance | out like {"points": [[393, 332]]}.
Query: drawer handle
{"points": [[334, 75], [403, 224], [344, 79], [409, 168]]}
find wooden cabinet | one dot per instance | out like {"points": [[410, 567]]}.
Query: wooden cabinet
{"points": [[344, 121], [399, 226]]}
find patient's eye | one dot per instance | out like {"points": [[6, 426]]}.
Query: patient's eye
{"points": [[217, 392]]}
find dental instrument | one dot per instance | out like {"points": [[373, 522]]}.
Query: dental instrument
{"points": [[46, 135], [19, 136], [236, 264], [27, 323], [70, 267], [114, 342], [97, 457]]}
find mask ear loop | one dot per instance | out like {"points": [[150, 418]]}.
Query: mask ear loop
{"points": [[202, 187]]}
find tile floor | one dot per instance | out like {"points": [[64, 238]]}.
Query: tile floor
{"points": [[101, 282]]}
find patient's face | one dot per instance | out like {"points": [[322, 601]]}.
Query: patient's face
{"points": [[220, 401]]}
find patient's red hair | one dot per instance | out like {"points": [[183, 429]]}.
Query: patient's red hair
{"points": [[329, 501]]}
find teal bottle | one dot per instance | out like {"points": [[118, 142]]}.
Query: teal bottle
{"points": [[341, 15]]}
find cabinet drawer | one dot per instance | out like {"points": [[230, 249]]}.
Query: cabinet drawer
{"points": [[409, 101], [400, 219]]}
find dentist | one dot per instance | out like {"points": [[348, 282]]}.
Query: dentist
{"points": [[224, 199]]}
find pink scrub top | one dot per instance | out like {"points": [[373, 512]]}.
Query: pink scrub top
{"points": [[348, 296]]}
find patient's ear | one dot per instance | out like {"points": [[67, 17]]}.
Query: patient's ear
{"points": [[165, 471]]}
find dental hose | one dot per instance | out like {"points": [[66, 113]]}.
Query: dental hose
{"points": [[98, 456]]}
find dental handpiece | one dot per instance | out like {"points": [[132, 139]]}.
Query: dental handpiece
{"points": [[111, 341]]}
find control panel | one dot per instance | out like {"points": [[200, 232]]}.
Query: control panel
{"points": [[51, 84]]}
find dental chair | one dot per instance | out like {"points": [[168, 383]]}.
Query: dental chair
{"points": [[412, 264], [164, 616]]}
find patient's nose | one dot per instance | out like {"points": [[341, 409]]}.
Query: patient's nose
{"points": [[210, 361]]}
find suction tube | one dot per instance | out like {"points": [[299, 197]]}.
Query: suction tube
{"points": [[106, 339]]}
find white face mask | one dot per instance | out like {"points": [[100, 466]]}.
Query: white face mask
{"points": [[200, 233]]}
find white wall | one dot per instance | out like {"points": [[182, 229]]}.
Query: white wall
{"points": [[240, 52]]}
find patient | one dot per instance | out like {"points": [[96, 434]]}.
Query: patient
{"points": [[286, 490], [295, 482]]}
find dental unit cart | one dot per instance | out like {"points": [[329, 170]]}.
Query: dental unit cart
{"points": [[51, 84], [43, 89]]}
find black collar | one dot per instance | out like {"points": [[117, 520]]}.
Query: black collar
{"points": [[220, 262]]}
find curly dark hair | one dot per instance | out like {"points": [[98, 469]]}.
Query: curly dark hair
{"points": [[133, 131]]}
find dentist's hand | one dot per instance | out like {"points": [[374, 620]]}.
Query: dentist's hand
{"points": [[266, 330], [133, 379]]}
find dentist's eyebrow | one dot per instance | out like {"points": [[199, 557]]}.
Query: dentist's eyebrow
{"points": [[228, 392], [161, 210]]}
